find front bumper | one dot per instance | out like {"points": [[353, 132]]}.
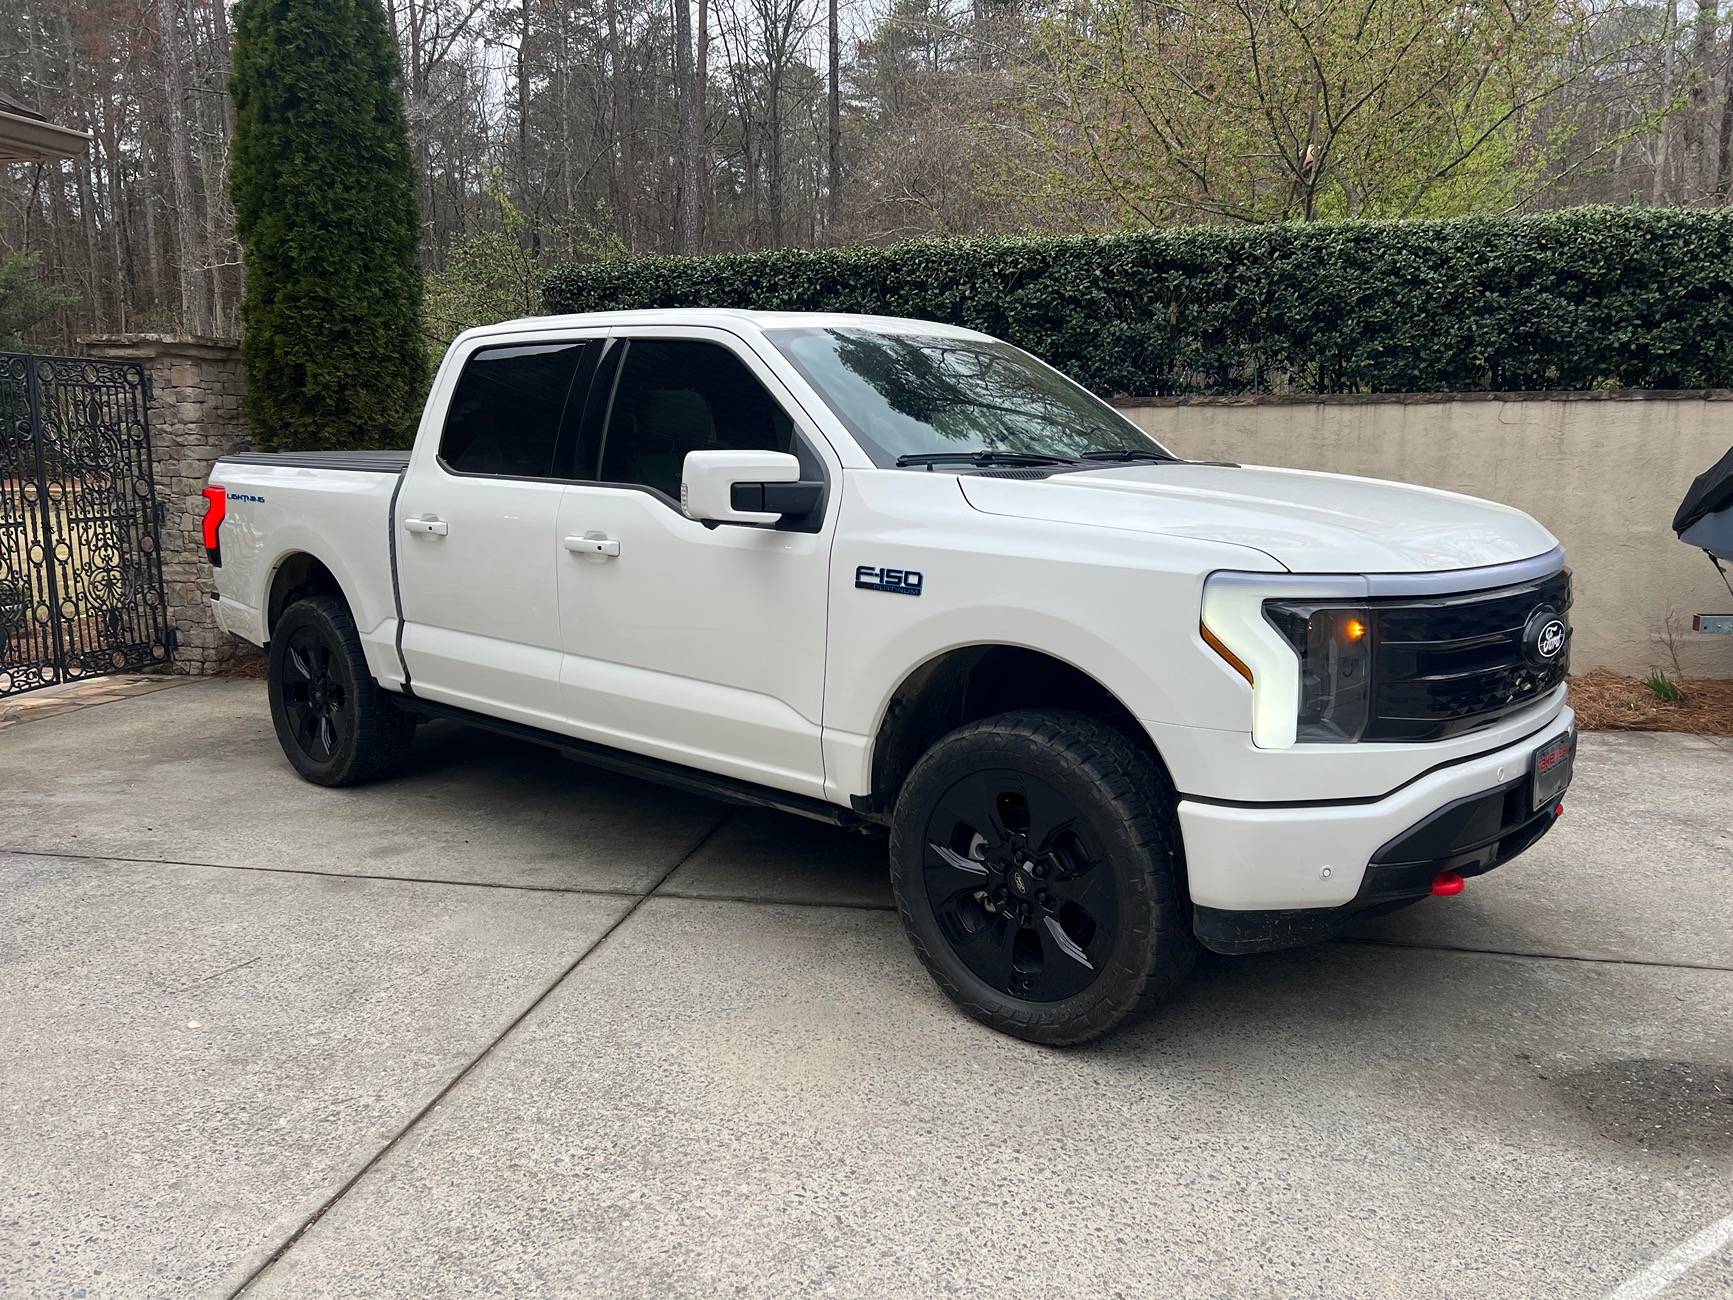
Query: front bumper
{"points": [[1273, 875]]}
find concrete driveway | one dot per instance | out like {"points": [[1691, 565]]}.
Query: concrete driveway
{"points": [[512, 1024]]}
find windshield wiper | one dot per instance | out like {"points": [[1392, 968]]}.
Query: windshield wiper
{"points": [[1129, 453], [981, 456]]}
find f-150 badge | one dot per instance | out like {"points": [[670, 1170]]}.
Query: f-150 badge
{"points": [[901, 582]]}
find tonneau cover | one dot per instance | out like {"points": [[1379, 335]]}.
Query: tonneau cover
{"points": [[367, 462]]}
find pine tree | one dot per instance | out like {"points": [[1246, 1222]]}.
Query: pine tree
{"points": [[324, 197]]}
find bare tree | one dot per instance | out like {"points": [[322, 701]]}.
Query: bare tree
{"points": [[687, 91], [189, 252], [551, 129], [833, 121]]}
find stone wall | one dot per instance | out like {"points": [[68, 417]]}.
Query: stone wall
{"points": [[1603, 471], [195, 417]]}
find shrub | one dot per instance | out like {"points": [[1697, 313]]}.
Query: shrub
{"points": [[26, 299], [1579, 299], [325, 208]]}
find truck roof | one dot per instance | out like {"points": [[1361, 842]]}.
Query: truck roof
{"points": [[730, 318]]}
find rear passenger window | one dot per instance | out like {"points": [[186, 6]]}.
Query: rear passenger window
{"points": [[516, 407], [681, 395]]}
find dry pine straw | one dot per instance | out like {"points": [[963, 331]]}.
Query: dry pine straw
{"points": [[1609, 702]]}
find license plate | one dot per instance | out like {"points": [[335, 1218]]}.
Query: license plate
{"points": [[1550, 770]]}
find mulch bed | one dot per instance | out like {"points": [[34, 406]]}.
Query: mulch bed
{"points": [[248, 664], [1609, 702]]}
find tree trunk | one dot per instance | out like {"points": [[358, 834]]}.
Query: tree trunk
{"points": [[833, 169], [102, 295], [1669, 36], [523, 127], [124, 265], [622, 126], [700, 92], [567, 199], [685, 90], [773, 165], [1697, 179], [1724, 141], [147, 200], [185, 225], [48, 176], [220, 61]]}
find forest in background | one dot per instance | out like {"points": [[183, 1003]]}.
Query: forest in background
{"points": [[549, 131]]}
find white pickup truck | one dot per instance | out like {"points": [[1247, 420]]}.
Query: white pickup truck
{"points": [[1111, 704]]}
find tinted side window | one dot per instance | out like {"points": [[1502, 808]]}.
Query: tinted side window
{"points": [[679, 395], [511, 406]]}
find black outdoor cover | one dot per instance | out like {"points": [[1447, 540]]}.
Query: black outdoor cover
{"points": [[1712, 490]]}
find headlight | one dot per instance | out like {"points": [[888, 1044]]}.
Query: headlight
{"points": [[1334, 643], [1307, 656]]}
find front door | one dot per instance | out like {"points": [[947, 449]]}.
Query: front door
{"points": [[700, 645], [476, 531]]}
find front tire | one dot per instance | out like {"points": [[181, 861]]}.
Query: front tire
{"points": [[336, 726], [1036, 863]]}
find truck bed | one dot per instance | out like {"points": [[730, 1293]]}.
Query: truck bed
{"points": [[372, 462], [332, 505]]}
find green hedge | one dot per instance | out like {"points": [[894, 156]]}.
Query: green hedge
{"points": [[1579, 299]]}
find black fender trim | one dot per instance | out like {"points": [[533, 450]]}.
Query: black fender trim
{"points": [[396, 589]]}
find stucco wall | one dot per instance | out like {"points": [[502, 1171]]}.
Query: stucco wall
{"points": [[1604, 472]]}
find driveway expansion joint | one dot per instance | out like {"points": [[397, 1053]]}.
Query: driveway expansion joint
{"points": [[433, 1102], [1585, 958], [350, 875], [658, 891], [750, 900]]}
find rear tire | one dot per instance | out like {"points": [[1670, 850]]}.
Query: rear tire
{"points": [[335, 724], [1037, 866]]}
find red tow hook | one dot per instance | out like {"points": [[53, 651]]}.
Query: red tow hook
{"points": [[1446, 883]]}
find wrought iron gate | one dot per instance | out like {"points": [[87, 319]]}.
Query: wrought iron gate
{"points": [[81, 589]]}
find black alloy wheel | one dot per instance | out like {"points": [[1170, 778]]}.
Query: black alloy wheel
{"points": [[334, 722], [1037, 865], [1018, 890], [320, 708]]}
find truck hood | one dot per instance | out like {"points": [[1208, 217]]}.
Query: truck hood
{"points": [[1307, 522]]}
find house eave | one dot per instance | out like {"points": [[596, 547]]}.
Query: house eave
{"points": [[28, 139]]}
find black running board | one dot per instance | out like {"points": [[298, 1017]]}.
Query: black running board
{"points": [[726, 788]]}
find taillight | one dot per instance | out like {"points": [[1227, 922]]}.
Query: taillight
{"points": [[216, 509]]}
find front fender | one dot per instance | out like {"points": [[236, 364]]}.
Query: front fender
{"points": [[1118, 606]]}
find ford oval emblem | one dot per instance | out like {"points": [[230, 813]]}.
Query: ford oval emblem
{"points": [[1545, 637]]}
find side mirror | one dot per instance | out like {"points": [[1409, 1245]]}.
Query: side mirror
{"points": [[744, 487]]}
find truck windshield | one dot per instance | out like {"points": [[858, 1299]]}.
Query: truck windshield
{"points": [[913, 396]]}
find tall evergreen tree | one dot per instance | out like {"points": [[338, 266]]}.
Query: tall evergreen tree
{"points": [[324, 200]]}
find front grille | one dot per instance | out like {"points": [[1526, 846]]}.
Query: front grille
{"points": [[1449, 664]]}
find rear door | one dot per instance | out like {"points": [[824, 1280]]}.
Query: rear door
{"points": [[700, 645], [475, 522]]}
